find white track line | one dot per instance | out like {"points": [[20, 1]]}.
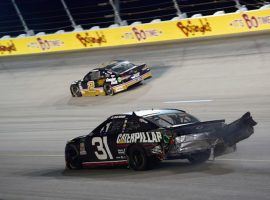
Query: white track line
{"points": [[190, 101]]}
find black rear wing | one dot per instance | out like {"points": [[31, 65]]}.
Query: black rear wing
{"points": [[198, 127], [238, 130]]}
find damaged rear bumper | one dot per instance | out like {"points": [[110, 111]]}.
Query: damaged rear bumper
{"points": [[221, 138]]}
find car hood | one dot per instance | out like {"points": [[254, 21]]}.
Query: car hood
{"points": [[77, 139], [77, 81]]}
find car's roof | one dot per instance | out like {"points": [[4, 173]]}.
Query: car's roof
{"points": [[147, 113], [110, 64]]}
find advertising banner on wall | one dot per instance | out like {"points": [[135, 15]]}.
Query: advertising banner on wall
{"points": [[233, 23]]}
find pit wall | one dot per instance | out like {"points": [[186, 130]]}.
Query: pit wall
{"points": [[233, 23]]}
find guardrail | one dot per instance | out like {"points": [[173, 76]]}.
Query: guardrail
{"points": [[176, 29]]}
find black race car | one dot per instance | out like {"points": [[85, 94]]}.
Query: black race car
{"points": [[143, 138], [110, 78]]}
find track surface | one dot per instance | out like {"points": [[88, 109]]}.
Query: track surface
{"points": [[37, 117]]}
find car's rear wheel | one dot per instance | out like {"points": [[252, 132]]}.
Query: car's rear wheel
{"points": [[137, 158], [72, 157], [200, 157], [75, 91], [108, 89]]}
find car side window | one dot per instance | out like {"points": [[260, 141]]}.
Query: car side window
{"points": [[180, 119], [110, 127], [134, 125], [95, 75], [105, 128], [116, 126], [87, 77]]}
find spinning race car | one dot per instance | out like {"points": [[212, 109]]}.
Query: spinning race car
{"points": [[144, 138], [110, 78]]}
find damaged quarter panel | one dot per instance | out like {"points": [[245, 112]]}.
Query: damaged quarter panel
{"points": [[191, 138]]}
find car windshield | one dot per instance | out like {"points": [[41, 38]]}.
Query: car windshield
{"points": [[92, 75], [120, 67], [170, 119]]}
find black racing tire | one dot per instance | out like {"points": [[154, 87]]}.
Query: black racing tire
{"points": [[137, 158], [72, 157], [200, 157], [108, 89], [75, 91]]}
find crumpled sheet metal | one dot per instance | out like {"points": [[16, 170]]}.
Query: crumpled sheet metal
{"points": [[194, 142]]}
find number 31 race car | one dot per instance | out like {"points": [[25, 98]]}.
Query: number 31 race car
{"points": [[109, 79], [142, 139]]}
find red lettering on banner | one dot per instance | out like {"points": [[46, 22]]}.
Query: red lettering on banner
{"points": [[192, 29], [141, 34], [264, 20], [45, 44], [48, 44], [86, 40], [250, 21], [9, 47]]}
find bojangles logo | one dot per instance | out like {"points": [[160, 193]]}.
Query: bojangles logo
{"points": [[88, 40], [190, 28], [9, 47]]}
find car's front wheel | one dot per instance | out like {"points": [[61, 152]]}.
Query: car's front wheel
{"points": [[72, 157], [200, 157], [108, 89], [75, 91]]}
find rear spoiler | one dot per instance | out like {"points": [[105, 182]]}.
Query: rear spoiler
{"points": [[198, 127], [238, 130]]}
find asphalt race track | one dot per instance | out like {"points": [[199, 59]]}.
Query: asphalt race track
{"points": [[212, 79]]}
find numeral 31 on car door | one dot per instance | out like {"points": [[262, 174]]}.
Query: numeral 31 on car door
{"points": [[102, 153]]}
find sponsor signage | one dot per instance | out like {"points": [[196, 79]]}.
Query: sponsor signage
{"points": [[233, 23], [141, 137]]}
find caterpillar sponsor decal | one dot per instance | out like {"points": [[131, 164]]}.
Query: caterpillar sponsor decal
{"points": [[141, 137]]}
